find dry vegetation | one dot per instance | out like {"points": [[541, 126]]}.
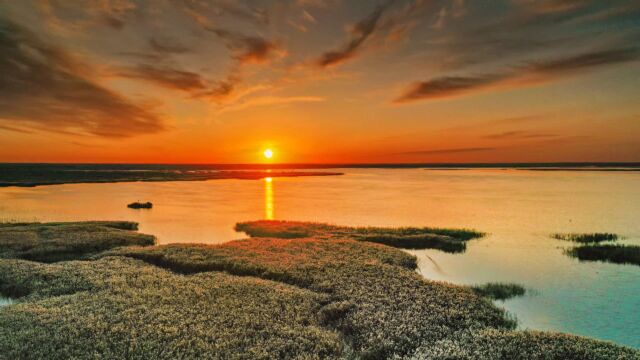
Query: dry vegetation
{"points": [[499, 291], [448, 240], [260, 298], [50, 242]]}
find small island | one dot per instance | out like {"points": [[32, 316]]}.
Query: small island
{"points": [[140, 205]]}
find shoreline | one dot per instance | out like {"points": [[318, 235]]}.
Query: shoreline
{"points": [[84, 177]]}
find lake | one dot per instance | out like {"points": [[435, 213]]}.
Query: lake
{"points": [[517, 208]]}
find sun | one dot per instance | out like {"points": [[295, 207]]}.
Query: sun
{"points": [[268, 153]]}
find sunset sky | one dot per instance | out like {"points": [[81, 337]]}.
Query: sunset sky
{"points": [[219, 81]]}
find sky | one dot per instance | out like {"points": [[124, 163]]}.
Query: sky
{"points": [[319, 81]]}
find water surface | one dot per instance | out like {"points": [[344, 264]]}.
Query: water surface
{"points": [[518, 208], [4, 301]]}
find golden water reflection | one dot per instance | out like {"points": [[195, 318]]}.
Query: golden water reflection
{"points": [[268, 199]]}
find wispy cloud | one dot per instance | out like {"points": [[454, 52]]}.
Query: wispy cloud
{"points": [[43, 85], [248, 49], [269, 100], [361, 31], [446, 151], [165, 76], [519, 134], [167, 46], [521, 76]]}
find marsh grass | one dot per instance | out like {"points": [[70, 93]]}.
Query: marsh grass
{"points": [[140, 205], [321, 297], [586, 238], [51, 242], [448, 240], [499, 291], [618, 254]]}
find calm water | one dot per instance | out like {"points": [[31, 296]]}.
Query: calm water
{"points": [[517, 208]]}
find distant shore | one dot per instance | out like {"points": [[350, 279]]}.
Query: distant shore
{"points": [[35, 174], [46, 175]]}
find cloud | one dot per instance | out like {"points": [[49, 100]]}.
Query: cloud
{"points": [[446, 151], [204, 11], [270, 100], [165, 76], [359, 34], [80, 15], [519, 134], [43, 85], [14, 129], [248, 49], [522, 76], [553, 6], [167, 46]]}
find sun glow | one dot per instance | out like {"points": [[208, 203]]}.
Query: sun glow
{"points": [[268, 153]]}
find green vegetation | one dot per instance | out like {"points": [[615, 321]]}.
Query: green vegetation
{"points": [[317, 297], [499, 291], [50, 242], [448, 240], [586, 238], [140, 205], [618, 254]]}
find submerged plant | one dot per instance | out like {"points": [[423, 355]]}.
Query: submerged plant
{"points": [[499, 291], [618, 254]]}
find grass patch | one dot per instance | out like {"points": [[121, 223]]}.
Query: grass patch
{"points": [[119, 308], [140, 205], [617, 254], [499, 291], [586, 238], [51, 242], [448, 240], [312, 298]]}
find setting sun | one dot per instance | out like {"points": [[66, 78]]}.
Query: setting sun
{"points": [[268, 153]]}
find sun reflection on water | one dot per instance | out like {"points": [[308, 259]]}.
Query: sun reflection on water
{"points": [[268, 199]]}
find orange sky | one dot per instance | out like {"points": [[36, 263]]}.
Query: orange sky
{"points": [[319, 81]]}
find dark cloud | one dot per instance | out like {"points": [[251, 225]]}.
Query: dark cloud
{"points": [[194, 84], [202, 10], [166, 76], [14, 129], [554, 6], [446, 151], [448, 86], [519, 134], [490, 35], [43, 86], [585, 61], [247, 49], [167, 46], [360, 33], [550, 70]]}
